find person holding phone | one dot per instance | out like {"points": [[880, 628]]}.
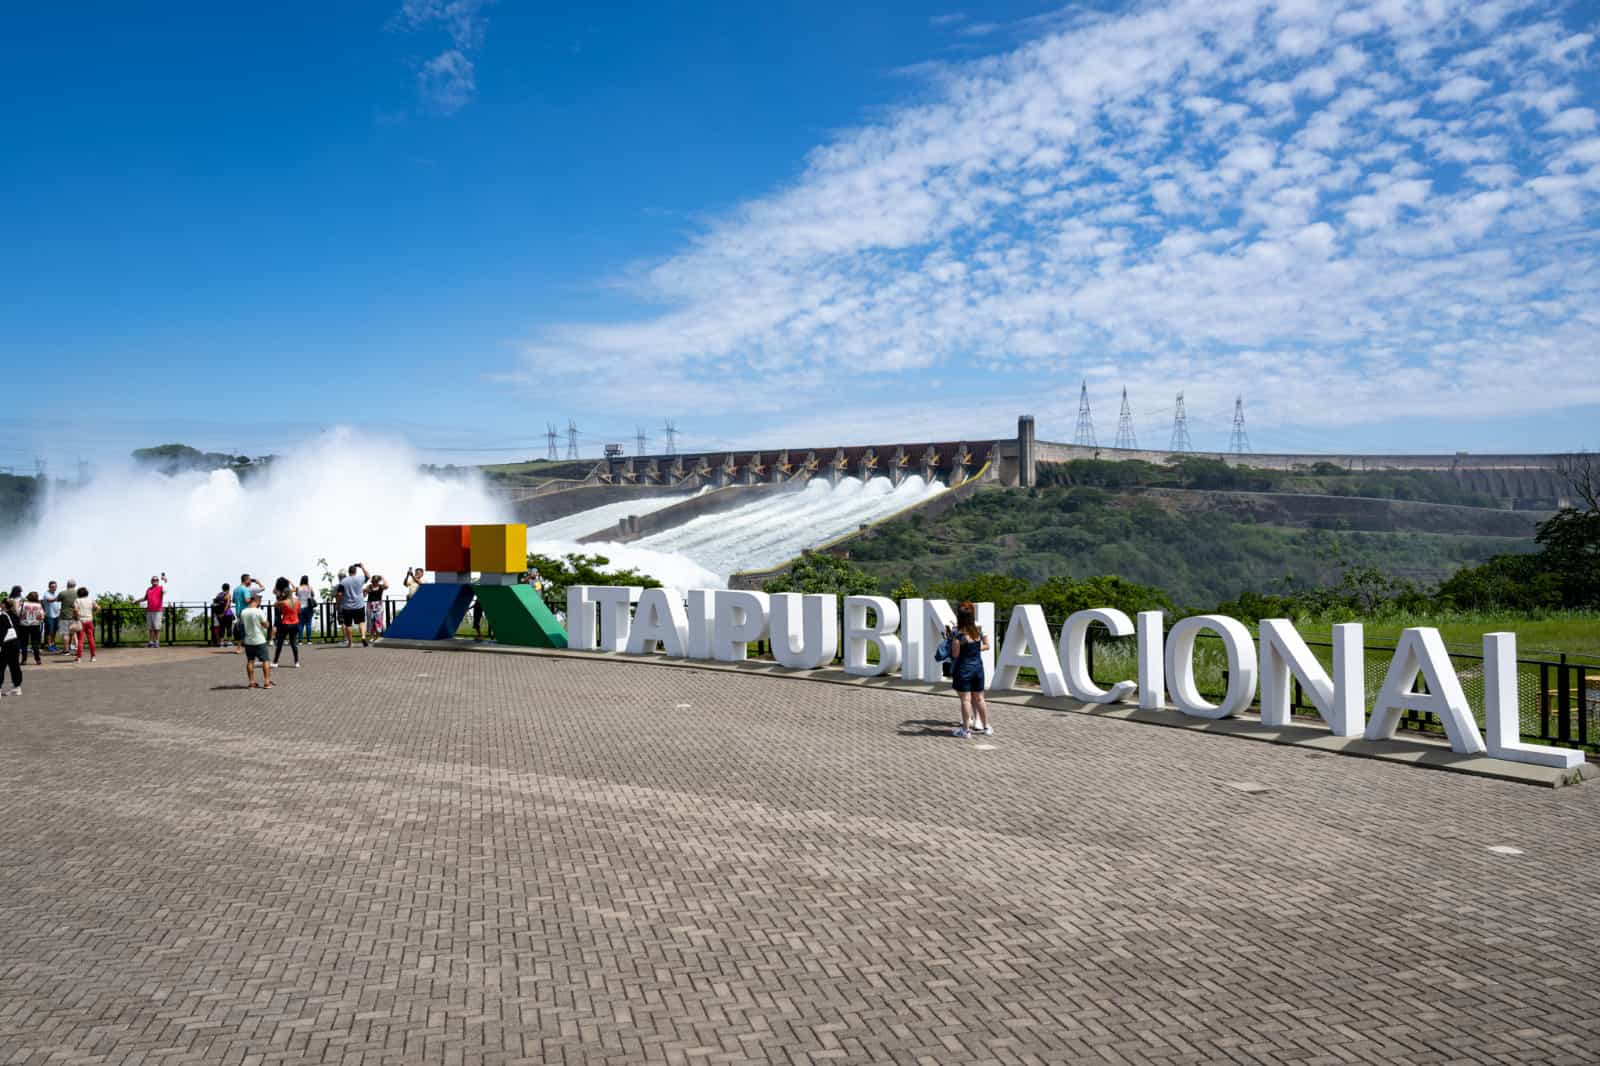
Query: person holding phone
{"points": [[353, 604], [967, 645], [152, 609]]}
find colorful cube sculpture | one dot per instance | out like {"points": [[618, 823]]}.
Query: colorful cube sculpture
{"points": [[516, 613], [447, 549], [434, 612], [500, 549], [520, 617]]}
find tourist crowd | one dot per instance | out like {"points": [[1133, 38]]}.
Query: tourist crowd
{"points": [[244, 617]]}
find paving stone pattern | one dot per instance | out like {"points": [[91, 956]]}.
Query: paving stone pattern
{"points": [[414, 857]]}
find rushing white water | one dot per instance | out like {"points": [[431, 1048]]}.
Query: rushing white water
{"points": [[599, 519], [770, 531]]}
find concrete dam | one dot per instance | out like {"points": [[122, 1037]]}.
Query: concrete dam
{"points": [[744, 515]]}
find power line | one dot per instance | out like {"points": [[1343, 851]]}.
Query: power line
{"points": [[1180, 429], [550, 440], [671, 430], [572, 439], [1239, 443], [1126, 437], [1085, 431]]}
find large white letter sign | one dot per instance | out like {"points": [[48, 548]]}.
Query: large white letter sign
{"points": [[738, 618], [1152, 675], [1074, 649], [615, 603], [912, 637], [580, 618], [931, 622], [1241, 652], [1503, 713], [659, 617], [1284, 655], [858, 634], [1028, 644], [1421, 651], [936, 615], [700, 606], [815, 619]]}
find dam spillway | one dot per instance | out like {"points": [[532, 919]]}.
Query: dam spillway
{"points": [[767, 531], [772, 531]]}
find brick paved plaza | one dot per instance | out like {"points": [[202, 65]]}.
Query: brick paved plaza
{"points": [[402, 856]]}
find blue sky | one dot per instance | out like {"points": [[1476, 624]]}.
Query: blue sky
{"points": [[799, 223]]}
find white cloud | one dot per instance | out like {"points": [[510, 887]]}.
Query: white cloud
{"points": [[446, 82], [1572, 120], [1460, 89], [1131, 197]]}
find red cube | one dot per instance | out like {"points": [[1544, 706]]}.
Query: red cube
{"points": [[448, 548]]}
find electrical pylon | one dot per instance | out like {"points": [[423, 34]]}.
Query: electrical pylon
{"points": [[1180, 429], [1126, 437], [638, 440], [1085, 432], [671, 430], [572, 439], [552, 453], [1239, 443]]}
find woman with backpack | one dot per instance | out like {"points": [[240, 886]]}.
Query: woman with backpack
{"points": [[30, 616], [222, 617], [85, 622], [288, 623], [10, 647], [967, 644]]}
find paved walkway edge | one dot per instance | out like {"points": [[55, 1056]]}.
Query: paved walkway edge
{"points": [[1424, 753]]}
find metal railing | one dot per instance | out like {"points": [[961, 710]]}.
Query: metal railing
{"points": [[201, 623]]}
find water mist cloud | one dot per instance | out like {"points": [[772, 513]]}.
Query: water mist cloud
{"points": [[342, 496]]}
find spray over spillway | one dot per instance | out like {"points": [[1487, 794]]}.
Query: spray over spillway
{"points": [[348, 497], [342, 496]]}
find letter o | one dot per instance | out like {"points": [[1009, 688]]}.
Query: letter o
{"points": [[1241, 651]]}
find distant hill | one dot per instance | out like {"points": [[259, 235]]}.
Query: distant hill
{"points": [[1201, 531], [173, 459]]}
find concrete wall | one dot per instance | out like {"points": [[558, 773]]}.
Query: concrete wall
{"points": [[1354, 512], [549, 506], [1055, 452], [1527, 481]]}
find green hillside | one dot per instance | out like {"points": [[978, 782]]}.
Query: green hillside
{"points": [[1198, 557]]}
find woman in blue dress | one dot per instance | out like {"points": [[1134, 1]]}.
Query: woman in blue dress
{"points": [[967, 645]]}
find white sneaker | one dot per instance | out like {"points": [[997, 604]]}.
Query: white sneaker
{"points": [[297, 666]]}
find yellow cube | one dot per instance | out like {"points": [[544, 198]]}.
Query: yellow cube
{"points": [[500, 549]]}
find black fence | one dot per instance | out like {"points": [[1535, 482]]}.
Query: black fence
{"points": [[201, 623]]}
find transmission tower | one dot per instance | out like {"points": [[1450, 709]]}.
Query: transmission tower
{"points": [[572, 439], [1239, 443], [671, 430], [552, 453], [639, 438], [1180, 429], [40, 469], [1085, 432], [1126, 437]]}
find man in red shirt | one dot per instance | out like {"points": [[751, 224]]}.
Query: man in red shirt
{"points": [[152, 609]]}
